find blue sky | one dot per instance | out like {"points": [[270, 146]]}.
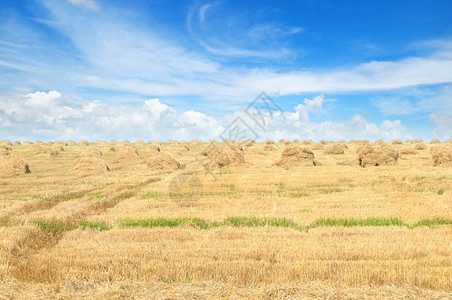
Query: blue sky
{"points": [[155, 69]]}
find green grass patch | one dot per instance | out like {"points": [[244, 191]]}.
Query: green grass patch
{"points": [[150, 195], [440, 191], [432, 222], [97, 195], [52, 227], [298, 194], [352, 222], [330, 190], [337, 206], [56, 227], [93, 225]]}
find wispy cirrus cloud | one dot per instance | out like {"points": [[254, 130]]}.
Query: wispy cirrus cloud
{"points": [[121, 57], [88, 4], [238, 35]]}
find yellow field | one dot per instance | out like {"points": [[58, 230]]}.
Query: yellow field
{"points": [[252, 231]]}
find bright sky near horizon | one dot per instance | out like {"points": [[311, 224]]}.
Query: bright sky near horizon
{"points": [[167, 69]]}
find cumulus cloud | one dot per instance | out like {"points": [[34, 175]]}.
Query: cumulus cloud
{"points": [[52, 116], [297, 124]]}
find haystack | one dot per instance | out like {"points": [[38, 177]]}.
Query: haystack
{"points": [[108, 148], [442, 156], [12, 165], [154, 148], [139, 143], [420, 146], [162, 162], [91, 152], [195, 142], [246, 144], [6, 142], [435, 141], [127, 152], [27, 143], [211, 149], [268, 148], [5, 147], [323, 142], [362, 142], [379, 142], [270, 142], [342, 144], [397, 142], [90, 165], [283, 141], [70, 143], [296, 156], [61, 143], [218, 157], [84, 143], [334, 149], [296, 141], [58, 147], [46, 151], [377, 155], [307, 142], [113, 142], [17, 143]]}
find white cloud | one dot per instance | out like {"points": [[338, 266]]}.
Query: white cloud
{"points": [[89, 4], [52, 116], [443, 122], [417, 99]]}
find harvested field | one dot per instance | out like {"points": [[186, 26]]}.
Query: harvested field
{"points": [[292, 223]]}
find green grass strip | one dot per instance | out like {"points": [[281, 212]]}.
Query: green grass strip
{"points": [[57, 228], [283, 222], [245, 222]]}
